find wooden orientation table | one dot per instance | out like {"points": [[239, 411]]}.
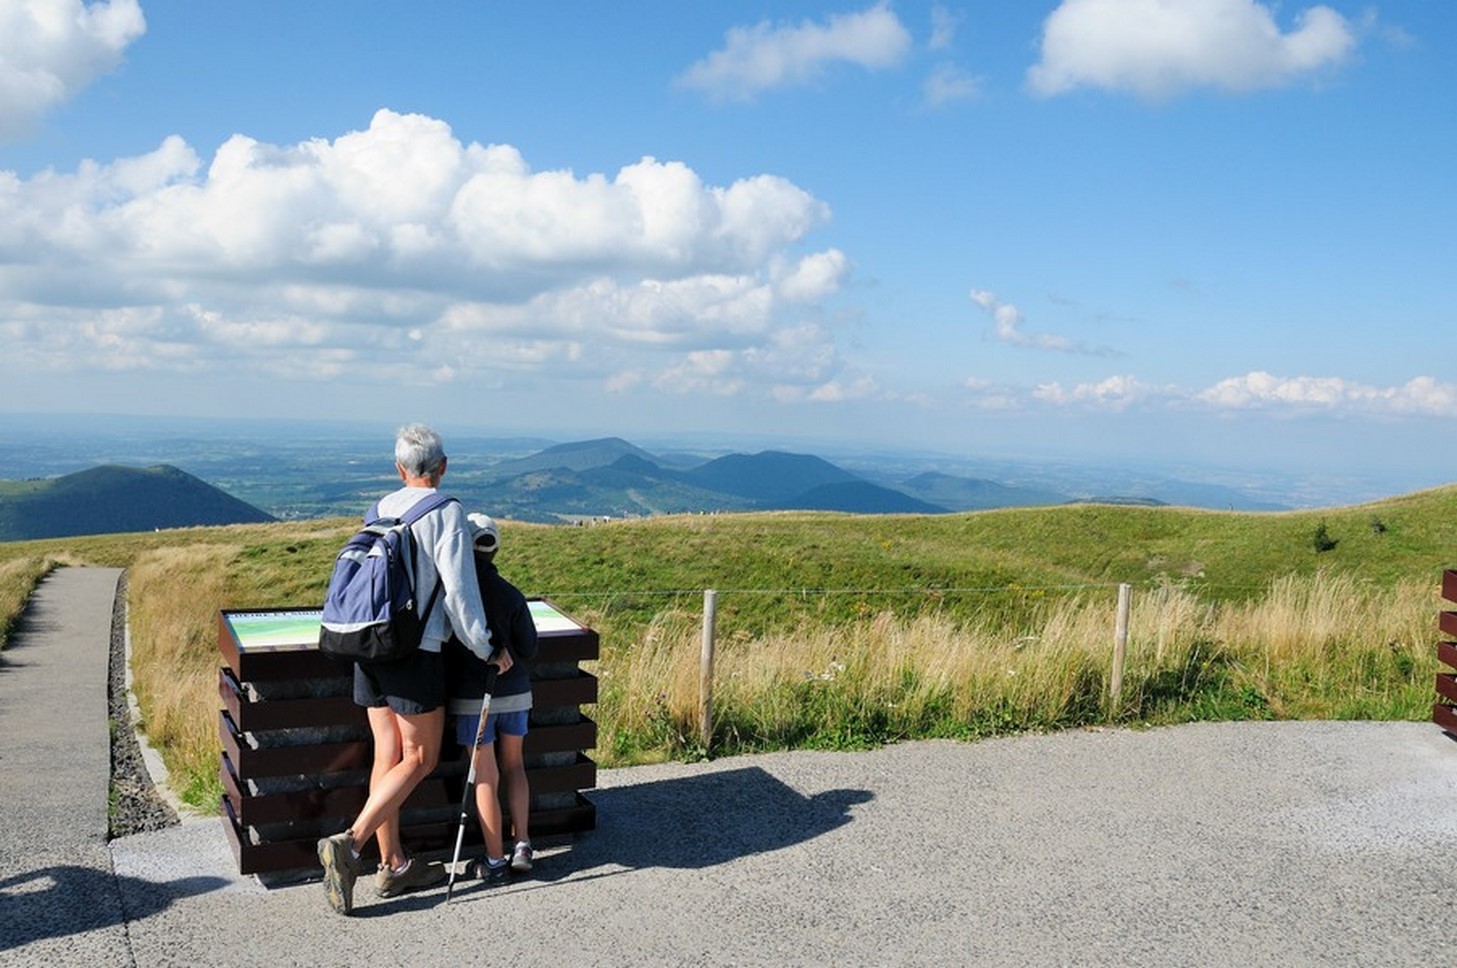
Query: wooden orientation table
{"points": [[296, 750]]}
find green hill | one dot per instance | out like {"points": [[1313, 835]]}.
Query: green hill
{"points": [[115, 499], [578, 456], [771, 476]]}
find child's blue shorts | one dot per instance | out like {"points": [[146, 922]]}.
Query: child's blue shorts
{"points": [[508, 724]]}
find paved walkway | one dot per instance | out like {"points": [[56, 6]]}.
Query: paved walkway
{"points": [[1213, 844], [58, 898]]}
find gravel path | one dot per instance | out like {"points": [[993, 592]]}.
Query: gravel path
{"points": [[136, 805]]}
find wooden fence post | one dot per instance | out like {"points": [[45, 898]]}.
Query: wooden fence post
{"points": [[1120, 646], [705, 669]]}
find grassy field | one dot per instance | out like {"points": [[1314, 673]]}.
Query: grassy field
{"points": [[844, 631]]}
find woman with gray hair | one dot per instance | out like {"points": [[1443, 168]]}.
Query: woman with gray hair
{"points": [[405, 699]]}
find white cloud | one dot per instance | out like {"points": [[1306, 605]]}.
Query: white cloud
{"points": [[814, 277], [1158, 48], [767, 56], [624, 381], [1261, 390], [984, 394], [837, 391], [949, 83], [400, 243], [703, 371], [51, 49], [944, 23], [1114, 393], [1008, 321], [1257, 391], [682, 312], [433, 210]]}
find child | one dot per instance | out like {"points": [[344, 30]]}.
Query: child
{"points": [[513, 630]]}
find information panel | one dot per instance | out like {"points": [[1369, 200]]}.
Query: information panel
{"points": [[299, 628]]}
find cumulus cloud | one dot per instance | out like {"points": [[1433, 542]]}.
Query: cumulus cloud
{"points": [[814, 277], [52, 49], [1158, 48], [1258, 394], [1114, 393], [401, 243], [1256, 391], [1261, 390], [792, 364], [768, 56]]}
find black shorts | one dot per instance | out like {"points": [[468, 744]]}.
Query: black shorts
{"points": [[408, 686]]}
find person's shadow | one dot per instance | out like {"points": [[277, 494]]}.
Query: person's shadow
{"points": [[55, 902], [695, 822]]}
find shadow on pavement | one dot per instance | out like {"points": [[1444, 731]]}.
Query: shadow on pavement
{"points": [[66, 900], [701, 821]]}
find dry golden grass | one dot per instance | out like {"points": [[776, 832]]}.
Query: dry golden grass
{"points": [[174, 594], [1319, 646]]}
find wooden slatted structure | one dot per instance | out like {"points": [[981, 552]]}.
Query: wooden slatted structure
{"points": [[1444, 711], [296, 751]]}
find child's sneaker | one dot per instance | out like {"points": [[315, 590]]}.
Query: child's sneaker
{"points": [[415, 875], [521, 857], [490, 874]]}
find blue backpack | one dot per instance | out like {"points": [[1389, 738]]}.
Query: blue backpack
{"points": [[370, 612]]}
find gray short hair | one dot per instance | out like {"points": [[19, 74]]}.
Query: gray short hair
{"points": [[419, 451]]}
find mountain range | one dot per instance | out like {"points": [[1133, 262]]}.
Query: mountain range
{"points": [[612, 477], [543, 482]]}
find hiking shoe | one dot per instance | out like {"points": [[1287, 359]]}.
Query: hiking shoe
{"points": [[490, 874], [341, 867], [521, 858], [417, 874]]}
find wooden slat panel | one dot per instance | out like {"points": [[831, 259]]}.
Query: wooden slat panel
{"points": [[1445, 717], [253, 715], [579, 690], [1447, 687], [288, 760], [561, 739], [425, 839], [1449, 584], [441, 789], [1447, 654]]}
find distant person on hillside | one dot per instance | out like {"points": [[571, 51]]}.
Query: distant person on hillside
{"points": [[505, 734], [405, 699]]}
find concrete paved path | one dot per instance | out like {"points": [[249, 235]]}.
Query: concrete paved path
{"points": [[58, 897], [1213, 844]]}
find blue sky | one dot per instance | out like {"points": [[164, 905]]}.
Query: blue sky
{"points": [[1210, 231]]}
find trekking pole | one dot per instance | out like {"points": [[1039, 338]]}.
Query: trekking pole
{"points": [[470, 775]]}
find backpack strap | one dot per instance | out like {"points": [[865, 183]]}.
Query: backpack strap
{"points": [[417, 510], [421, 508]]}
